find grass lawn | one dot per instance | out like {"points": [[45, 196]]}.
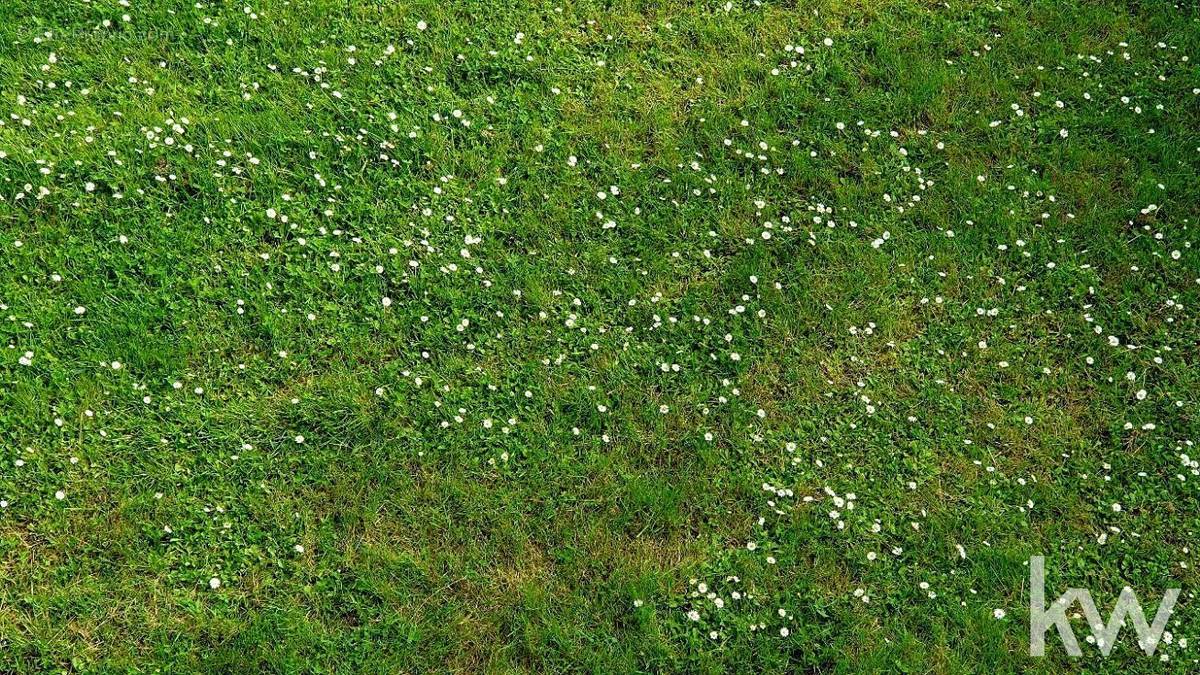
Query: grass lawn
{"points": [[623, 336]]}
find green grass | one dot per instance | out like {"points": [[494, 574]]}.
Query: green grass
{"points": [[533, 459]]}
